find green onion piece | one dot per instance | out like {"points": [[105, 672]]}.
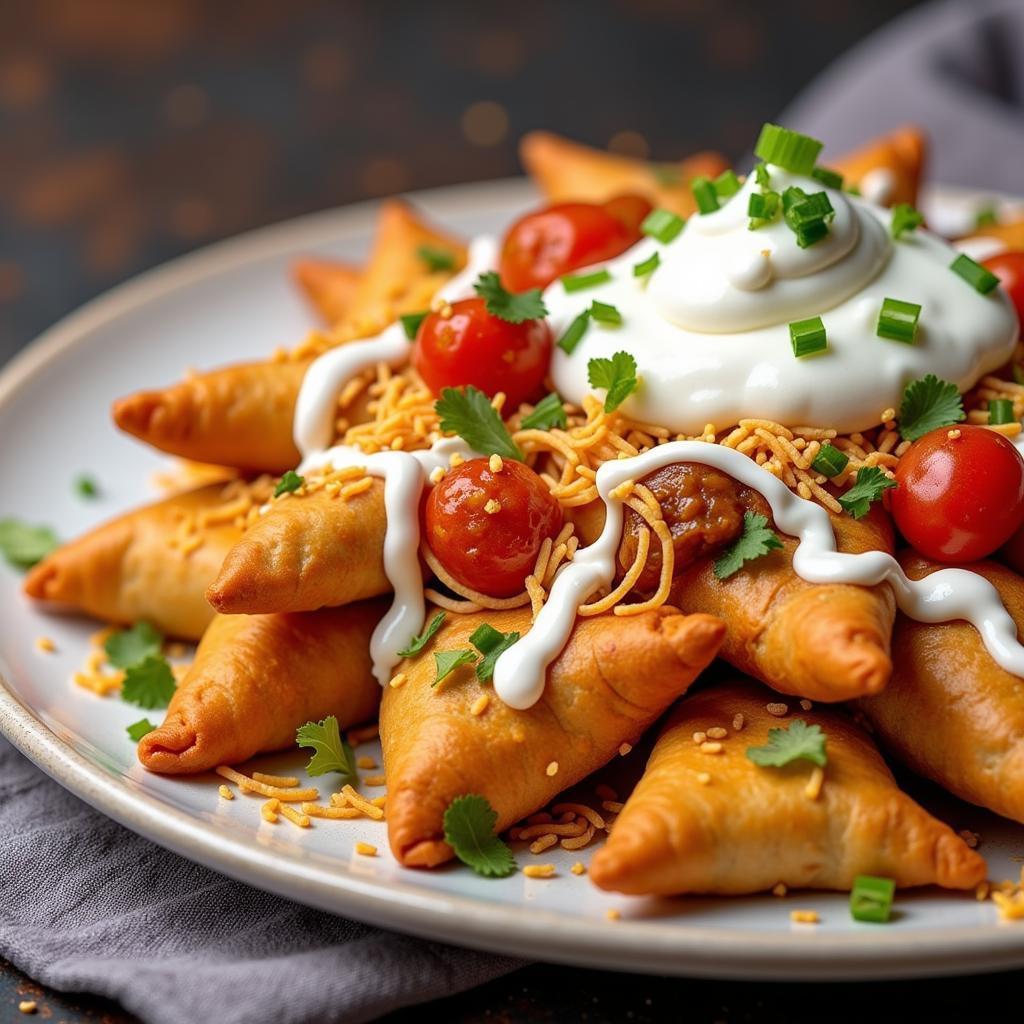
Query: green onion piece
{"points": [[871, 899], [787, 149], [811, 233], [791, 197], [761, 175], [663, 225], [904, 218], [704, 192], [808, 337], [980, 278], [898, 320], [648, 266], [574, 333], [726, 184], [411, 323], [830, 461], [828, 177], [579, 282], [813, 208], [986, 217], [605, 314], [763, 207], [86, 487], [1000, 410], [853, 190]]}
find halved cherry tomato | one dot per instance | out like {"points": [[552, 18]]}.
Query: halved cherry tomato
{"points": [[959, 498], [473, 347], [1009, 268], [486, 528], [547, 243]]}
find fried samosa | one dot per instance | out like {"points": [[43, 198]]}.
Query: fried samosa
{"points": [[950, 712], [153, 564], [895, 163], [567, 171], [825, 642], [329, 286], [257, 678], [612, 680], [705, 822]]}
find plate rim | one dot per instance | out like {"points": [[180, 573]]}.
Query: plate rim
{"points": [[626, 944]]}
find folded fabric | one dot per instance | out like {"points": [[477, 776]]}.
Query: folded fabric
{"points": [[89, 906]]}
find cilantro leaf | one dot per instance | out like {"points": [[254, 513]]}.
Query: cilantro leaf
{"points": [[411, 323], [128, 647], [757, 539], [417, 643], [509, 306], [869, 485], [470, 414], [331, 752], [617, 375], [798, 742], [86, 486], [23, 544], [149, 683], [929, 403], [139, 729], [491, 643], [436, 258], [547, 413], [448, 661], [291, 481], [469, 830]]}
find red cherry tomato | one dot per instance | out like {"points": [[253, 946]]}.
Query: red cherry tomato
{"points": [[473, 347], [490, 551], [1009, 268], [543, 245], [959, 498]]}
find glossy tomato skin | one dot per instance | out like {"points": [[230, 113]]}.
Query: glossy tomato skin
{"points": [[1009, 268], [542, 246], [492, 552], [473, 347], [959, 498]]}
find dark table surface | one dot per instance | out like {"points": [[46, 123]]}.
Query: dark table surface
{"points": [[130, 133]]}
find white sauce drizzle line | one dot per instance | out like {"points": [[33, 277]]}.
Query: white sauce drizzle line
{"points": [[948, 594]]}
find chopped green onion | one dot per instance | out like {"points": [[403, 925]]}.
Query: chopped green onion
{"points": [[814, 207], [811, 233], [411, 323], [763, 207], [830, 461], [605, 314], [904, 218], [574, 333], [761, 175], [648, 266], [663, 225], [706, 195], [787, 149], [1000, 410], [435, 258], [980, 278], [808, 337], [898, 320], [792, 196], [986, 217], [828, 177], [86, 487], [726, 184], [871, 899], [578, 282], [853, 190]]}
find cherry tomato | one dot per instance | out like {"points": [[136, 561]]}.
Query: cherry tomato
{"points": [[959, 498], [1009, 268], [547, 243], [486, 528], [473, 347]]}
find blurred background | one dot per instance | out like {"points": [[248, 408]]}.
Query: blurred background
{"points": [[135, 130]]}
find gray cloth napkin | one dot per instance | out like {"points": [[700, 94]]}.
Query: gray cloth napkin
{"points": [[89, 906], [956, 68]]}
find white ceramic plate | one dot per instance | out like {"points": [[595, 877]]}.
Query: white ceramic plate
{"points": [[235, 301]]}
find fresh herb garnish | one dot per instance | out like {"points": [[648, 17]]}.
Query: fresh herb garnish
{"points": [[1000, 410], [580, 282], [603, 313], [980, 278], [929, 403], [512, 307], [411, 323], [808, 337], [830, 461], [757, 539], [574, 333], [468, 412], [331, 752], [446, 662], [149, 683], [491, 643], [726, 184], [139, 729], [647, 266], [436, 258], [469, 830], [617, 375], [23, 545], [897, 320], [547, 413], [871, 899], [828, 177], [663, 225], [128, 647], [904, 218], [86, 486], [869, 485], [417, 643], [798, 742], [787, 149], [986, 217], [705, 195], [761, 175], [289, 482]]}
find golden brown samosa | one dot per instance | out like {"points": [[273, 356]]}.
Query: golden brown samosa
{"points": [[715, 822], [895, 160], [329, 286], [612, 680]]}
